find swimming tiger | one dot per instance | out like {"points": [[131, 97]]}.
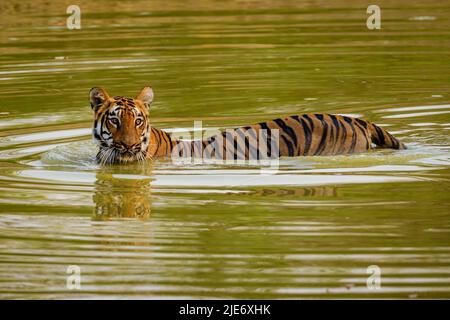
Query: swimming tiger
{"points": [[123, 133]]}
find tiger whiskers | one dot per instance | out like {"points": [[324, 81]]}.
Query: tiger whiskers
{"points": [[113, 155], [140, 157], [105, 156]]}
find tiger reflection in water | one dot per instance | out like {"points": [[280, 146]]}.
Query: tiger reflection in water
{"points": [[117, 197]]}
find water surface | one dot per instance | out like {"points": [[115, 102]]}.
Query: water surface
{"points": [[210, 230]]}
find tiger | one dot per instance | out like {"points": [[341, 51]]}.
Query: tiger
{"points": [[123, 133]]}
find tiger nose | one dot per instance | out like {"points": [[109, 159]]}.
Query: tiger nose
{"points": [[127, 145]]}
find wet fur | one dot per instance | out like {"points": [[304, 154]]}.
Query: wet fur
{"points": [[299, 135]]}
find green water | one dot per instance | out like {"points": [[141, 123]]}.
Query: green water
{"points": [[171, 230]]}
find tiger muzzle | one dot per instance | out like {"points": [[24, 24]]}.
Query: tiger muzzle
{"points": [[125, 148]]}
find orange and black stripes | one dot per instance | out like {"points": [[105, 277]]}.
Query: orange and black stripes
{"points": [[161, 143], [384, 139], [123, 133], [298, 135]]}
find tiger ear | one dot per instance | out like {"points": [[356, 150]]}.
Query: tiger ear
{"points": [[97, 97], [146, 96]]}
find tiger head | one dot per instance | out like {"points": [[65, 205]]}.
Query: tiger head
{"points": [[121, 126]]}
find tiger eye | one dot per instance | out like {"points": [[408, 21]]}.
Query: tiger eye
{"points": [[114, 121]]}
